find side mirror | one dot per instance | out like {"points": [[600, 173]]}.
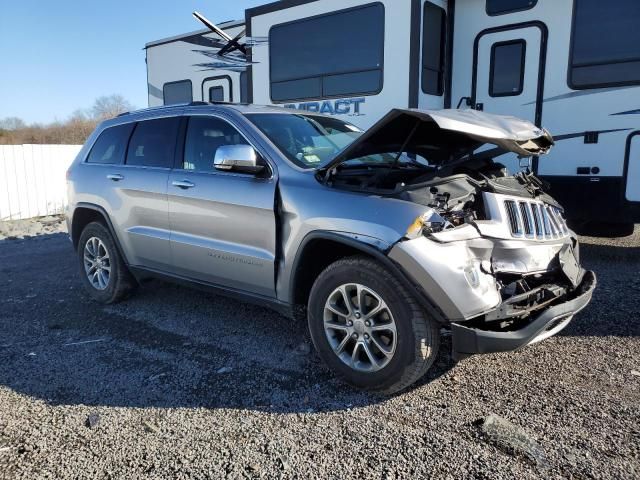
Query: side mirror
{"points": [[237, 158]]}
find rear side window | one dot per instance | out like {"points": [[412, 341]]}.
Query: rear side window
{"points": [[433, 42], [111, 145], [153, 143], [204, 136], [506, 76], [177, 92]]}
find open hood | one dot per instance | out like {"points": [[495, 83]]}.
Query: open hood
{"points": [[445, 135]]}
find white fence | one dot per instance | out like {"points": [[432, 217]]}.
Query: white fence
{"points": [[33, 180]]}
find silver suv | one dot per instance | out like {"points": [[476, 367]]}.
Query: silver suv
{"points": [[381, 239]]}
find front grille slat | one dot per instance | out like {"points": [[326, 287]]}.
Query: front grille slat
{"points": [[514, 222], [535, 220]]}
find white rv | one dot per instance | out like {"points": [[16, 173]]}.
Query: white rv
{"points": [[572, 66]]}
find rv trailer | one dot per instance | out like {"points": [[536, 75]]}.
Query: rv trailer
{"points": [[572, 66]]}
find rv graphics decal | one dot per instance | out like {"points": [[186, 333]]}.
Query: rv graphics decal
{"points": [[342, 106]]}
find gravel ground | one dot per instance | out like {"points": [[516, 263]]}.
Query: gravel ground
{"points": [[176, 383]]}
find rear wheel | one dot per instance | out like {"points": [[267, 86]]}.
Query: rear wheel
{"points": [[368, 328], [102, 270]]}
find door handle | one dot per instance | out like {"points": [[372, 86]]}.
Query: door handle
{"points": [[184, 184], [116, 177]]}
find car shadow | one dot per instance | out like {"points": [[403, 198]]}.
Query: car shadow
{"points": [[168, 346]]}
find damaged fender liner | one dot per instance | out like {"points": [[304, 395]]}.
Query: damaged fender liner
{"points": [[468, 341]]}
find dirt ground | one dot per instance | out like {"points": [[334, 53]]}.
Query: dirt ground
{"points": [[176, 383]]}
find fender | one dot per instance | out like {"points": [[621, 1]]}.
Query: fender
{"points": [[374, 248], [107, 219]]}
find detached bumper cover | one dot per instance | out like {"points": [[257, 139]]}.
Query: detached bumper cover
{"points": [[467, 341]]}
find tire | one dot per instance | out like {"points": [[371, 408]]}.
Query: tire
{"points": [[119, 282], [413, 345]]}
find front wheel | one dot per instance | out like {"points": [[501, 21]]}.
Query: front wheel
{"points": [[368, 328]]}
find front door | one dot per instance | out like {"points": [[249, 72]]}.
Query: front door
{"points": [[507, 68], [222, 223], [217, 89]]}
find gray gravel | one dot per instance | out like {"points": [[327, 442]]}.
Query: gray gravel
{"points": [[176, 383]]}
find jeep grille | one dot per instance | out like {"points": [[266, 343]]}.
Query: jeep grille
{"points": [[535, 220]]}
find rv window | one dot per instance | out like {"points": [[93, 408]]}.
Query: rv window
{"points": [[111, 144], [244, 88], [433, 42], [177, 92], [506, 72], [605, 47], [336, 54], [204, 136], [153, 143], [500, 7], [216, 94]]}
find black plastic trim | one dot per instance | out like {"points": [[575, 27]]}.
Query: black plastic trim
{"points": [[142, 273], [469, 341], [376, 253], [105, 215]]}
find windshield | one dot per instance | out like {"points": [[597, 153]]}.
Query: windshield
{"points": [[306, 140]]}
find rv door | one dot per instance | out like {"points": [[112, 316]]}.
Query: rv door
{"points": [[217, 89], [507, 67]]}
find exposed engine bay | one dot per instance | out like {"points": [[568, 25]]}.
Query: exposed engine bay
{"points": [[453, 191]]}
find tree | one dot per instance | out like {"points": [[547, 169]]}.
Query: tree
{"points": [[12, 123], [110, 106]]}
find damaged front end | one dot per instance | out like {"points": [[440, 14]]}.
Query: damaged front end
{"points": [[505, 276], [492, 251]]}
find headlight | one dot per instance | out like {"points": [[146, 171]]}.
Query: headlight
{"points": [[429, 222]]}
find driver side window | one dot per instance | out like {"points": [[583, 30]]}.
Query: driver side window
{"points": [[204, 136]]}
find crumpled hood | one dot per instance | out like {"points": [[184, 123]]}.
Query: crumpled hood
{"points": [[445, 135]]}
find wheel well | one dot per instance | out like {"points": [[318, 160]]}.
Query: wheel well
{"points": [[82, 217], [317, 255]]}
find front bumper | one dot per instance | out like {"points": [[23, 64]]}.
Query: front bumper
{"points": [[468, 341]]}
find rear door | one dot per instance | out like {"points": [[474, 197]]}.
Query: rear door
{"points": [[139, 204], [217, 89], [507, 66], [222, 223]]}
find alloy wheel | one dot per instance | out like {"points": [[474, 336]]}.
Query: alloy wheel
{"points": [[97, 264], [360, 327]]}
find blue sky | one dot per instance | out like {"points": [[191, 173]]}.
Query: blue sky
{"points": [[58, 56]]}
